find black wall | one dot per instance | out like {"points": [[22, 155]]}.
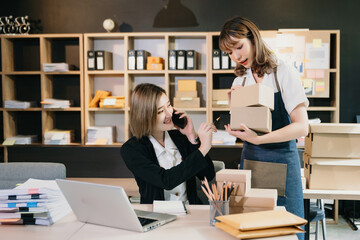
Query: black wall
{"points": [[82, 16]]}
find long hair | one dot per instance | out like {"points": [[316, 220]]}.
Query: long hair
{"points": [[239, 28], [143, 109]]}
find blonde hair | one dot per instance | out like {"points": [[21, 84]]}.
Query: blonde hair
{"points": [[239, 28], [143, 109]]}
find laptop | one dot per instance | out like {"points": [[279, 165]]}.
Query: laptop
{"points": [[108, 206]]}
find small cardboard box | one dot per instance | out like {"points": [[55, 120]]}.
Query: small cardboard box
{"points": [[241, 179], [253, 95], [112, 102], [334, 140], [332, 173], [186, 102], [186, 94], [256, 197], [220, 98], [256, 118], [186, 85], [155, 60]]}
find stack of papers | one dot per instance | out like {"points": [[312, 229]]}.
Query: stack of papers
{"points": [[55, 67], [101, 135], [21, 139], [37, 202], [222, 137], [58, 137], [56, 103], [170, 207], [18, 104]]}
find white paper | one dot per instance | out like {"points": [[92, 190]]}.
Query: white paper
{"points": [[317, 57], [170, 207]]}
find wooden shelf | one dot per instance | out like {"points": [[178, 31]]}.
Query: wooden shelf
{"points": [[22, 109], [63, 73]]}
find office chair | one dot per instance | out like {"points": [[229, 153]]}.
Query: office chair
{"points": [[317, 213], [19, 172], [218, 165]]}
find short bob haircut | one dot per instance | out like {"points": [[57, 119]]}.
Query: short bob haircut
{"points": [[143, 109], [239, 28]]}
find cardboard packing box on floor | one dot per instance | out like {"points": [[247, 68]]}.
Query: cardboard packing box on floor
{"points": [[256, 118], [332, 173], [220, 97], [334, 140], [253, 95], [186, 102], [241, 179]]}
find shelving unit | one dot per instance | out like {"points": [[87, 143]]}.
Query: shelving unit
{"points": [[22, 78]]}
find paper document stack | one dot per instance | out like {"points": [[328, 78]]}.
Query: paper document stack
{"points": [[58, 137], [18, 104], [222, 137], [55, 67], [170, 207], [101, 135], [38, 202], [56, 103], [22, 139]]}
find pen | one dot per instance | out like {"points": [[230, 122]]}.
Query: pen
{"points": [[216, 120], [186, 211]]}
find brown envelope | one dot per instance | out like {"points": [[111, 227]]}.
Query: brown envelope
{"points": [[262, 220], [271, 232]]}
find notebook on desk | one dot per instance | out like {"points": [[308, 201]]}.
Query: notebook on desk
{"points": [[108, 206]]}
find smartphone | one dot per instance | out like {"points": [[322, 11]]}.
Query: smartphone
{"points": [[180, 122]]}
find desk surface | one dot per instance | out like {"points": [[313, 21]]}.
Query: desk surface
{"points": [[331, 194], [194, 225]]}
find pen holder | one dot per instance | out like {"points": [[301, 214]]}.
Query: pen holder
{"points": [[218, 208]]}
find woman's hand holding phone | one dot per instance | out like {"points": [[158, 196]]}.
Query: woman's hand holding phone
{"points": [[188, 129]]}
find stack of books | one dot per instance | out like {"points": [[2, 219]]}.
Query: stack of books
{"points": [[101, 135], [33, 206], [58, 137], [18, 104], [56, 103], [22, 139]]}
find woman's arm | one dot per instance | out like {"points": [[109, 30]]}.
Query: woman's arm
{"points": [[297, 128]]}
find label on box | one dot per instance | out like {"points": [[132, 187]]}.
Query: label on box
{"points": [[222, 102], [109, 101], [186, 99]]}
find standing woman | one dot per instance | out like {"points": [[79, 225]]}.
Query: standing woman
{"points": [[165, 162], [272, 157]]}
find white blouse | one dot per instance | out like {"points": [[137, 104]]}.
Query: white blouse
{"points": [[168, 157]]}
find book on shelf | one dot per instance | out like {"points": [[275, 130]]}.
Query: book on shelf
{"points": [[19, 104], [21, 139], [56, 103], [55, 67], [101, 135], [35, 202]]}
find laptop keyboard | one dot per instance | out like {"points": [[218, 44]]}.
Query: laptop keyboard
{"points": [[145, 221]]}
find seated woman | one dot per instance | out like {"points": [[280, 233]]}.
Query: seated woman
{"points": [[164, 160]]}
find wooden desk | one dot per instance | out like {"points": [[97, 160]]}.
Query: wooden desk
{"points": [[194, 225], [325, 194]]}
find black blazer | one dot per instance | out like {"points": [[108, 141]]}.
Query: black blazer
{"points": [[139, 156]]}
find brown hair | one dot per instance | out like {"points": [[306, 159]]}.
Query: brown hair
{"points": [[143, 109], [239, 28]]}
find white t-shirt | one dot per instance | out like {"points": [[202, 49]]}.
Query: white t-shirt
{"points": [[292, 91], [168, 157]]}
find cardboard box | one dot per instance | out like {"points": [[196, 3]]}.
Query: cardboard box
{"points": [[186, 94], [112, 102], [155, 60], [253, 95], [256, 197], [241, 179], [154, 66], [186, 102], [186, 85], [255, 118], [334, 140], [220, 98], [332, 173]]}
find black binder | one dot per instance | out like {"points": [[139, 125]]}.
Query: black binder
{"points": [[131, 59], [216, 61], [172, 59], [225, 60], [191, 59], [181, 60], [103, 60], [91, 63], [141, 59]]}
